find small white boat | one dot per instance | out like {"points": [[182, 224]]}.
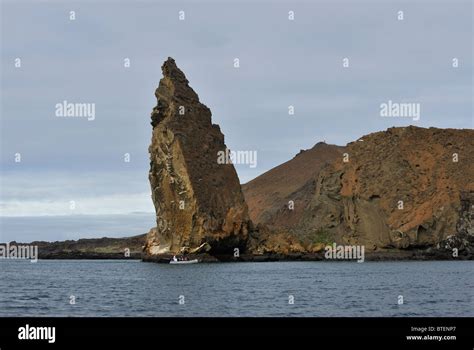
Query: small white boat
{"points": [[176, 262]]}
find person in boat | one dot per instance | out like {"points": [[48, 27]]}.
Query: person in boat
{"points": [[174, 258]]}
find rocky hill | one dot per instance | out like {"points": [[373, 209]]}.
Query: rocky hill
{"points": [[403, 188]]}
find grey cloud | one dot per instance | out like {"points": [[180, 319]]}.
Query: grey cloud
{"points": [[282, 63]]}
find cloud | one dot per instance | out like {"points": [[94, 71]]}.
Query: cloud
{"points": [[97, 205], [94, 193], [282, 62]]}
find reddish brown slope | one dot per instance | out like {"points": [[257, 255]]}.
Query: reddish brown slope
{"points": [[271, 191]]}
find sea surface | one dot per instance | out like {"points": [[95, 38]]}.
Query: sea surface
{"points": [[135, 288]]}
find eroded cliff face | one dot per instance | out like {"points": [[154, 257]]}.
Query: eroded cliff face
{"points": [[199, 203], [401, 188]]}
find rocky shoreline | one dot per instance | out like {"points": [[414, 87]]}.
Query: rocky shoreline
{"points": [[92, 248], [456, 247], [89, 249], [415, 255]]}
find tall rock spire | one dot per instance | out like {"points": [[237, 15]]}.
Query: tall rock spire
{"points": [[197, 200]]}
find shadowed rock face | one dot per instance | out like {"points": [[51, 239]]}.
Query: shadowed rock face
{"points": [[197, 200]]}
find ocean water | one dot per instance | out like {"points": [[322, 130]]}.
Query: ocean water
{"points": [[135, 288]]}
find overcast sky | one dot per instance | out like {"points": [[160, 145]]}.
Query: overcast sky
{"points": [[282, 63]]}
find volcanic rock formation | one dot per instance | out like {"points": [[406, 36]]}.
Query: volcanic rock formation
{"points": [[403, 188], [199, 203], [399, 188], [407, 187]]}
